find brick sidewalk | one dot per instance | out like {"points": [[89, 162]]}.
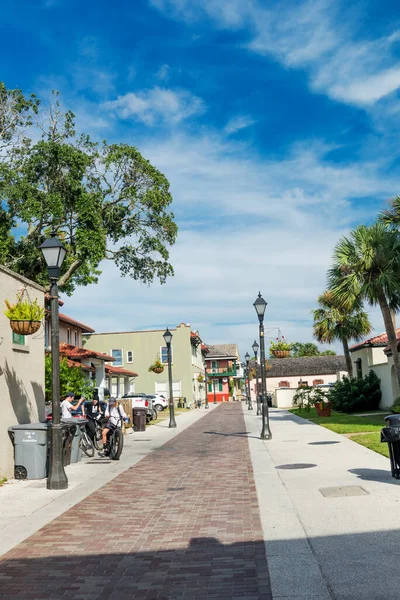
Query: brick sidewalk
{"points": [[182, 523]]}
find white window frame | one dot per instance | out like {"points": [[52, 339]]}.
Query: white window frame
{"points": [[122, 356], [172, 355], [127, 356], [68, 335]]}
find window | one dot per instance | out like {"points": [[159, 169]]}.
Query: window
{"points": [[286, 384], [117, 354], [76, 338], [129, 356], [162, 388], [68, 336], [318, 382], [164, 355], [214, 365], [220, 385], [19, 339], [210, 387]]}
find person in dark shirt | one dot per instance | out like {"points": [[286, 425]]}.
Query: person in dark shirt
{"points": [[94, 411]]}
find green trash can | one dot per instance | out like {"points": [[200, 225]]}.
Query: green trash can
{"points": [[30, 450]]}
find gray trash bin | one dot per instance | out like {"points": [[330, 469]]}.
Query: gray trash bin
{"points": [[77, 426], [30, 450]]}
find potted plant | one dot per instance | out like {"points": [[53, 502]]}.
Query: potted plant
{"points": [[280, 348], [157, 366], [303, 398], [200, 378], [25, 316], [322, 405]]}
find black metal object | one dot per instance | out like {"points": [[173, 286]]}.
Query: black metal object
{"points": [[168, 337], [57, 478], [255, 347], [260, 306], [290, 467], [391, 435], [215, 397], [249, 403], [205, 386]]}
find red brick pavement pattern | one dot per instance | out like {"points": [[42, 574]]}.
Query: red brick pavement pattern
{"points": [[182, 523]]}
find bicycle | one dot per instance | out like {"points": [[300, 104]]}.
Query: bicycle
{"points": [[86, 444], [116, 443]]}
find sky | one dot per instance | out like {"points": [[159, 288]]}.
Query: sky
{"points": [[276, 123]]}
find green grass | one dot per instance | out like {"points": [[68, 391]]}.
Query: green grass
{"points": [[344, 423], [372, 441]]}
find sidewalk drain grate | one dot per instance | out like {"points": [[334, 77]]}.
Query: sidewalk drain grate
{"points": [[321, 443], [175, 489], [296, 466], [342, 491], [142, 440]]}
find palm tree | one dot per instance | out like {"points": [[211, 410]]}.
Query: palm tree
{"points": [[333, 323], [367, 268]]}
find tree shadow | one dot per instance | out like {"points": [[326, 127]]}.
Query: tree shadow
{"points": [[375, 475], [240, 434], [21, 402]]}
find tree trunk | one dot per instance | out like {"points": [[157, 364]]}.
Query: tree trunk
{"points": [[391, 333], [347, 356], [392, 312]]}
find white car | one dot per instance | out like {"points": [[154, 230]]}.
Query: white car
{"points": [[159, 401]]}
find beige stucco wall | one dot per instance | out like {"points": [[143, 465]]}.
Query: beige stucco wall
{"points": [[146, 347], [21, 370], [283, 397]]}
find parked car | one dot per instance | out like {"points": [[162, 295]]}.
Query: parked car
{"points": [[140, 400], [159, 401]]}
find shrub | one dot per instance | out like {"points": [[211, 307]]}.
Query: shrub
{"points": [[303, 398], [396, 405], [356, 394]]}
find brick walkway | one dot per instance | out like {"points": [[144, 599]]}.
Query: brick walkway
{"points": [[182, 523]]}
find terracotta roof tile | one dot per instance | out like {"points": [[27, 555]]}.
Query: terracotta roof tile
{"points": [[111, 370], [377, 340], [67, 319], [79, 353]]}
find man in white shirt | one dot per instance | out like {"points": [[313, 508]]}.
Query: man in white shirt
{"points": [[115, 414], [67, 406]]}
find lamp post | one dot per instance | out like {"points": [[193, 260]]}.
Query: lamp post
{"points": [[215, 397], [205, 386], [168, 337], [260, 305], [54, 253], [249, 403], [255, 347]]}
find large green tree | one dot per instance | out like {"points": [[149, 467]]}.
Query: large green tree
{"points": [[367, 268], [105, 201], [331, 322]]}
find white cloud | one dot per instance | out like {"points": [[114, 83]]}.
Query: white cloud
{"points": [[319, 36], [237, 123], [150, 106]]}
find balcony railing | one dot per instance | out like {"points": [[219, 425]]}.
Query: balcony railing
{"points": [[222, 372]]}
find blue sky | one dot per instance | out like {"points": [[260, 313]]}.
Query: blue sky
{"points": [[277, 124]]}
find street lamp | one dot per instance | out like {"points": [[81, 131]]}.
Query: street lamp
{"points": [[54, 253], [215, 397], [205, 386], [168, 337], [255, 347], [247, 357], [260, 305]]}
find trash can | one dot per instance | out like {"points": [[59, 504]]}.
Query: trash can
{"points": [[139, 419], [391, 435], [76, 427], [30, 450]]}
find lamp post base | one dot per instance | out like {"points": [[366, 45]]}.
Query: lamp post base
{"points": [[57, 478]]}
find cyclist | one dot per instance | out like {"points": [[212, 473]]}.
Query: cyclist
{"points": [[115, 414], [94, 411]]}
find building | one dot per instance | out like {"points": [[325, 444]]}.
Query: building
{"points": [[224, 372], [21, 368], [286, 375], [375, 355], [96, 365], [139, 349]]}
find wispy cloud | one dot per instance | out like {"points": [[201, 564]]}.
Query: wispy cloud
{"points": [[319, 36], [237, 123], [150, 106]]}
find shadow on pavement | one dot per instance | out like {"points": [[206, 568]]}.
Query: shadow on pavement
{"points": [[239, 434], [204, 569], [375, 475]]}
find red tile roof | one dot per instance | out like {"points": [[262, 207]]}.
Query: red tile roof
{"points": [[66, 319], [74, 363], [378, 340], [111, 370], [47, 297], [74, 352]]}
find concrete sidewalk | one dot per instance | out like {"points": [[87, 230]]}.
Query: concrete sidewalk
{"points": [[26, 506], [333, 545]]}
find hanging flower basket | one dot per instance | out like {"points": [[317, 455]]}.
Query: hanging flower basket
{"points": [[156, 367], [25, 316], [158, 370], [25, 327], [281, 353]]}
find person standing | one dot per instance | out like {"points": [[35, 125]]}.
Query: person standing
{"points": [[67, 407]]}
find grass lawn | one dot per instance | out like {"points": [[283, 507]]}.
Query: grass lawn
{"points": [[344, 423], [373, 442]]}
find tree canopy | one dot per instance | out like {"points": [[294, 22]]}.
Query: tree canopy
{"points": [[105, 201]]}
